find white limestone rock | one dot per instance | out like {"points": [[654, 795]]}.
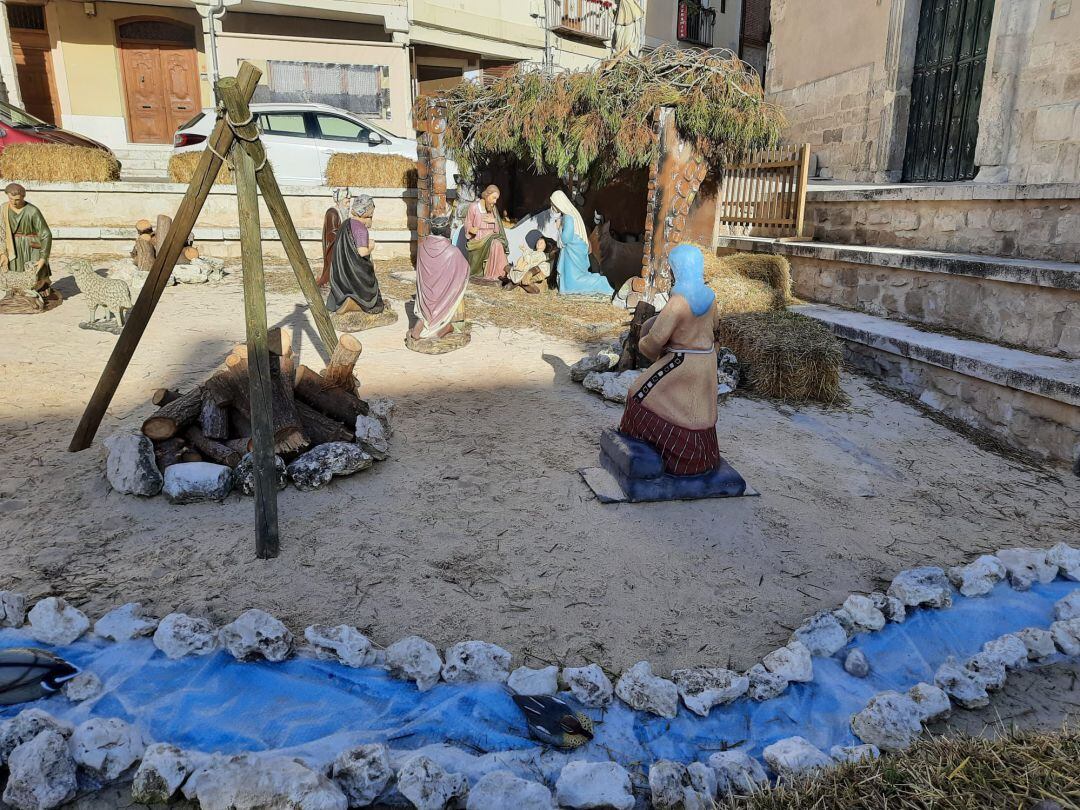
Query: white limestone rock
{"points": [[854, 753], [673, 786], [428, 785], [475, 661], [528, 681], [590, 363], [701, 689], [245, 782], [1067, 636], [611, 385], [859, 614], [855, 664], [931, 701], [978, 578], [126, 622], [892, 608], [823, 635], [161, 773], [501, 790], [414, 659], [1009, 650], [256, 634], [12, 609], [53, 621], [1026, 566], [131, 467], [42, 773], [362, 773], [1067, 559], [26, 725], [342, 643], [765, 685], [1039, 643], [594, 785], [317, 466], [891, 721], [728, 372], [371, 436], [178, 635], [642, 690], [988, 669], [960, 684], [737, 773], [106, 747], [244, 474], [795, 756], [197, 481], [84, 686], [1068, 607], [589, 686], [793, 662], [382, 408], [922, 587]]}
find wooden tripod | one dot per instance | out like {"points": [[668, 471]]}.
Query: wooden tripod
{"points": [[236, 135]]}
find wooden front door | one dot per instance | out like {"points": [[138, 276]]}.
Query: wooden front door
{"points": [[950, 65], [161, 78], [33, 61]]}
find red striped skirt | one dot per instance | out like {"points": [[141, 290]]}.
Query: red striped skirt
{"points": [[684, 451]]}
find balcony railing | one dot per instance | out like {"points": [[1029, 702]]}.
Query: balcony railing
{"points": [[695, 24], [587, 19]]}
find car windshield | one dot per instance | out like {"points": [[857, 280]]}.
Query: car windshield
{"points": [[20, 119]]}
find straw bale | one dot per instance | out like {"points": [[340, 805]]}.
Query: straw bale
{"points": [[58, 163]]}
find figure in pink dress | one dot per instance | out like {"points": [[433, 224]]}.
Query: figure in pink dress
{"points": [[487, 244]]}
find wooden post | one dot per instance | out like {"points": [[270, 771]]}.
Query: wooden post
{"points": [[236, 103], [804, 180], [201, 182], [262, 430]]}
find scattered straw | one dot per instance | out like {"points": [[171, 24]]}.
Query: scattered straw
{"points": [[371, 171], [745, 284], [789, 356], [1018, 770], [58, 163], [182, 168]]}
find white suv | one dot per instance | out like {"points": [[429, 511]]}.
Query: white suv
{"points": [[301, 137]]}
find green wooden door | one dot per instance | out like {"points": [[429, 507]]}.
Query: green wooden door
{"points": [[950, 64]]}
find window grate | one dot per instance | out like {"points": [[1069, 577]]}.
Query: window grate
{"points": [[361, 89], [27, 18]]}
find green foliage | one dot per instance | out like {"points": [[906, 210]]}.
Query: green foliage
{"points": [[594, 123]]}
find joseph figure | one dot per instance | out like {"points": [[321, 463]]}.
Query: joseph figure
{"points": [[27, 239]]}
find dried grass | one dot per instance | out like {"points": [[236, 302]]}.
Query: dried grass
{"points": [[182, 168], [788, 356], [58, 163], [1017, 770], [370, 171], [744, 283]]}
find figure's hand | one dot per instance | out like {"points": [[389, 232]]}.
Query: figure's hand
{"points": [[40, 264], [371, 245]]}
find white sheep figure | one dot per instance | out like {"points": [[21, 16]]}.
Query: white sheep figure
{"points": [[21, 283], [111, 293]]}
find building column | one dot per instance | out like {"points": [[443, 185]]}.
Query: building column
{"points": [[896, 94], [9, 78]]}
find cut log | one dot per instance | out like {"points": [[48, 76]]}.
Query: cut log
{"points": [[239, 423], [337, 403], [213, 418], [144, 226], [339, 371], [215, 451], [143, 254], [190, 253], [176, 415], [169, 452], [279, 341], [321, 429], [241, 445], [190, 455], [163, 396], [288, 432], [631, 358], [161, 230]]}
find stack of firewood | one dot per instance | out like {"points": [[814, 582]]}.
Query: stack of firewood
{"points": [[212, 422], [151, 238]]}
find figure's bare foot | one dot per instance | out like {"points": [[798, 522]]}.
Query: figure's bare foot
{"points": [[446, 330], [414, 333]]}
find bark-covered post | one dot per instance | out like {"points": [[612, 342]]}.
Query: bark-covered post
{"points": [[430, 166]]}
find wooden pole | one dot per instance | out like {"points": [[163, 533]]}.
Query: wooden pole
{"points": [[236, 103], [804, 180], [201, 182], [262, 430]]}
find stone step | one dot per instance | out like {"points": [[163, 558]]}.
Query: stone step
{"points": [[1030, 401], [1034, 304]]}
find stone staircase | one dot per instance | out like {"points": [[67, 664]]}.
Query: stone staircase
{"points": [[144, 161], [965, 296]]}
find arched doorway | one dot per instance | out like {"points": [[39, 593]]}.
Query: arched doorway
{"points": [[161, 77]]}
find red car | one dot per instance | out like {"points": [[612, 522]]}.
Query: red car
{"points": [[18, 126]]}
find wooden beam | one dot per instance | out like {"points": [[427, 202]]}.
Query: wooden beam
{"points": [[236, 103], [190, 207], [262, 429]]}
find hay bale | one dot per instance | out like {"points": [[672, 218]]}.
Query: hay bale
{"points": [[772, 270], [744, 284], [58, 163], [370, 171], [787, 356], [182, 168]]}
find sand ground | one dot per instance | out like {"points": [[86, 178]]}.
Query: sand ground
{"points": [[479, 525]]}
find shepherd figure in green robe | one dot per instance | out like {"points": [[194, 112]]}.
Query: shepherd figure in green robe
{"points": [[27, 239]]}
